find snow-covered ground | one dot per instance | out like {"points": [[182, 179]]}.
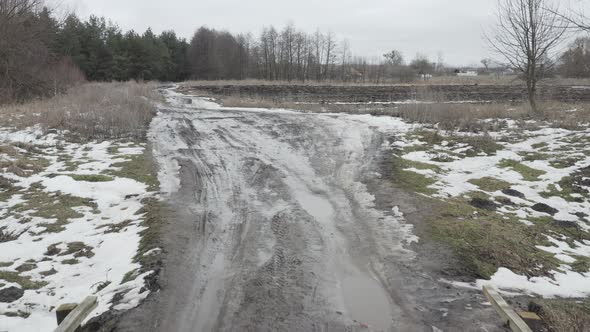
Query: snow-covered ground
{"points": [[70, 224], [69, 227], [535, 165]]}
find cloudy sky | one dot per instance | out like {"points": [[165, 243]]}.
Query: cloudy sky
{"points": [[453, 28]]}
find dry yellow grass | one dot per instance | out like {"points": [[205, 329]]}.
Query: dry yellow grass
{"points": [[89, 111]]}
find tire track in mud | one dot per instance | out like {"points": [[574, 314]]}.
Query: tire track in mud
{"points": [[271, 228]]}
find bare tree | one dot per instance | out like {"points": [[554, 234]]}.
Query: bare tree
{"points": [[526, 34], [28, 67], [330, 44], [440, 63], [576, 19], [394, 58], [345, 55], [423, 66], [486, 62]]}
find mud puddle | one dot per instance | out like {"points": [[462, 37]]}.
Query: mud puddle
{"points": [[366, 302]]}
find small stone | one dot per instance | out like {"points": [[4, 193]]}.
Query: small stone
{"points": [[565, 224], [505, 201], [513, 193], [11, 294], [544, 208], [484, 204]]}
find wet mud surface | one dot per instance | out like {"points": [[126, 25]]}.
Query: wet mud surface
{"points": [[283, 221]]}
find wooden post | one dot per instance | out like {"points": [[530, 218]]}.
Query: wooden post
{"points": [[77, 316], [508, 315]]}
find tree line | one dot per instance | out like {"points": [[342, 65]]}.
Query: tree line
{"points": [[43, 55]]}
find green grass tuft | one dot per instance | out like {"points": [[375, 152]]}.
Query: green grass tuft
{"points": [[490, 184], [139, 168], [486, 241], [92, 177], [24, 281], [528, 173]]}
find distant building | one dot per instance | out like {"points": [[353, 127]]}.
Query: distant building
{"points": [[466, 73]]}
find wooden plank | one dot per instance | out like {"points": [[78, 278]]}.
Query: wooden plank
{"points": [[529, 315], [63, 311], [77, 316], [508, 315]]}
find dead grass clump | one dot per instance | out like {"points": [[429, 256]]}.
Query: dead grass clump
{"points": [[6, 184], [566, 116], [8, 150], [563, 315], [6, 236], [464, 117], [90, 111], [24, 167]]}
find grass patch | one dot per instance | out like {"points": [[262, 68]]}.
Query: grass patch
{"points": [[18, 313], [137, 167], [115, 228], [58, 206], [481, 145], [129, 276], [24, 166], [564, 162], [92, 177], [581, 265], [113, 150], [409, 180], [568, 188], [549, 225], [71, 261], [527, 173], [140, 168], [78, 249], [8, 236], [24, 281], [71, 166], [150, 236], [532, 156], [49, 272], [7, 189], [490, 184], [538, 146], [486, 241], [474, 145], [405, 163], [26, 267]]}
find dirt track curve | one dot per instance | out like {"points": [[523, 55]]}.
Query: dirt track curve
{"points": [[275, 226]]}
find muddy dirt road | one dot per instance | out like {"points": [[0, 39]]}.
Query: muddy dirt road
{"points": [[274, 228]]}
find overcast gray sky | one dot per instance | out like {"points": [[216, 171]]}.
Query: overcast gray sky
{"points": [[453, 28]]}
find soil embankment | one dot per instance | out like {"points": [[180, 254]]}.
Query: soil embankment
{"points": [[396, 93]]}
